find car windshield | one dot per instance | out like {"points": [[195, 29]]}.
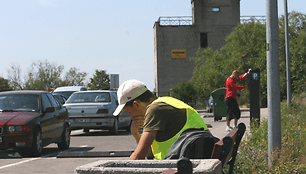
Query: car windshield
{"points": [[89, 97], [19, 102]]}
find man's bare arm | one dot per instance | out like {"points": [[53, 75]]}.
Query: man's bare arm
{"points": [[137, 123], [144, 146]]}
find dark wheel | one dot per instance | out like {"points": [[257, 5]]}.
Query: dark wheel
{"points": [[86, 130], [114, 129], [65, 139], [37, 145], [215, 119], [24, 153]]}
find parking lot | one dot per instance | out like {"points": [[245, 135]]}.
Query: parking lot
{"points": [[94, 141]]}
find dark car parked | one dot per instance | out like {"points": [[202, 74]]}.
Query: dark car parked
{"points": [[30, 120]]}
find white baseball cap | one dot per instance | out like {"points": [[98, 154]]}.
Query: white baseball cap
{"points": [[128, 91]]}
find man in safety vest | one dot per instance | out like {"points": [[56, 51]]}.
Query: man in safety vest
{"points": [[162, 119]]}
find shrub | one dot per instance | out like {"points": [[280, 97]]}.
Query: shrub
{"points": [[291, 158], [185, 91]]}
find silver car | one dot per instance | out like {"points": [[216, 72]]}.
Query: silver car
{"points": [[94, 109]]}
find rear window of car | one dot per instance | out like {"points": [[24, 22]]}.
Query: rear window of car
{"points": [[89, 97]]}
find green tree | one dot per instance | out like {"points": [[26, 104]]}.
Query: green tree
{"points": [[42, 75], [14, 77], [100, 80], [185, 92], [210, 72], [246, 48], [74, 78], [4, 85], [297, 53]]}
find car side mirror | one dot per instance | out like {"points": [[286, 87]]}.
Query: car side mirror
{"points": [[49, 109]]}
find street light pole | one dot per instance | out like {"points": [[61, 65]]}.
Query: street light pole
{"points": [[287, 55], [273, 80]]}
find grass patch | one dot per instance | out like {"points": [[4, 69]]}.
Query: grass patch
{"points": [[253, 152]]}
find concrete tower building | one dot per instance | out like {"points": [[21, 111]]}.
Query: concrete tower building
{"points": [[177, 39]]}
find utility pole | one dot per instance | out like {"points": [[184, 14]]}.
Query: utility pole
{"points": [[287, 55], [273, 80]]}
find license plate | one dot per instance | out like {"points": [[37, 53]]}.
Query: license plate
{"points": [[82, 120], [0, 139]]}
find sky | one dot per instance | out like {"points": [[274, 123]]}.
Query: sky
{"points": [[112, 35]]}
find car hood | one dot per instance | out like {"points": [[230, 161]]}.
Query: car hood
{"points": [[17, 118]]}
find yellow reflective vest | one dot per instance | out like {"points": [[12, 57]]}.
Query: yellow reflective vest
{"points": [[194, 120]]}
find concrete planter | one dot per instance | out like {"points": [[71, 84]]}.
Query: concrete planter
{"points": [[211, 166]]}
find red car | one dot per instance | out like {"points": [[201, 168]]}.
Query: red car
{"points": [[30, 120]]}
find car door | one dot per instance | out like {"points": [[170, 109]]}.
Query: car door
{"points": [[58, 119], [47, 119]]}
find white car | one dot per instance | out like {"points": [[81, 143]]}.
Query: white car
{"points": [[94, 109], [66, 91]]}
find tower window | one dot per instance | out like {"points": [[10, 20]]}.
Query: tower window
{"points": [[215, 9], [203, 40]]}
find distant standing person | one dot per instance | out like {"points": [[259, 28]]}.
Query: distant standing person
{"points": [[233, 111]]}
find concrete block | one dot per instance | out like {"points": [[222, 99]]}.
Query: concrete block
{"points": [[209, 166]]}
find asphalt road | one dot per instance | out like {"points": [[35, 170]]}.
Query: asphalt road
{"points": [[93, 143]]}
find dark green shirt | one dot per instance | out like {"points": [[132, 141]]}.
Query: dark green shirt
{"points": [[164, 118]]}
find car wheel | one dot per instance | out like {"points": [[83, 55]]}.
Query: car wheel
{"points": [[114, 129], [86, 130], [37, 145], [24, 153], [65, 139]]}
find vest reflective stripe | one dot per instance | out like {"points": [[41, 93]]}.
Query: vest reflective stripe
{"points": [[160, 149]]}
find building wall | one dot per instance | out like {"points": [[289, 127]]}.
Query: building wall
{"points": [[169, 71]]}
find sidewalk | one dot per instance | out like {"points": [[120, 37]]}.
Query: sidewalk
{"points": [[218, 128]]}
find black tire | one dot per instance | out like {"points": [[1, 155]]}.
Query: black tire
{"points": [[86, 130], [115, 128], [37, 144], [24, 153], [65, 139]]}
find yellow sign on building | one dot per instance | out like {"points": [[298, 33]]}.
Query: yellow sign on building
{"points": [[178, 53]]}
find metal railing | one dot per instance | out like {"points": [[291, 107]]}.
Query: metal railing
{"points": [[175, 21], [246, 19], [187, 20]]}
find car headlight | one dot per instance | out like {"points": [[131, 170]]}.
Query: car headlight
{"points": [[15, 128]]}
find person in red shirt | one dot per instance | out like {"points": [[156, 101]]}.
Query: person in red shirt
{"points": [[233, 111]]}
